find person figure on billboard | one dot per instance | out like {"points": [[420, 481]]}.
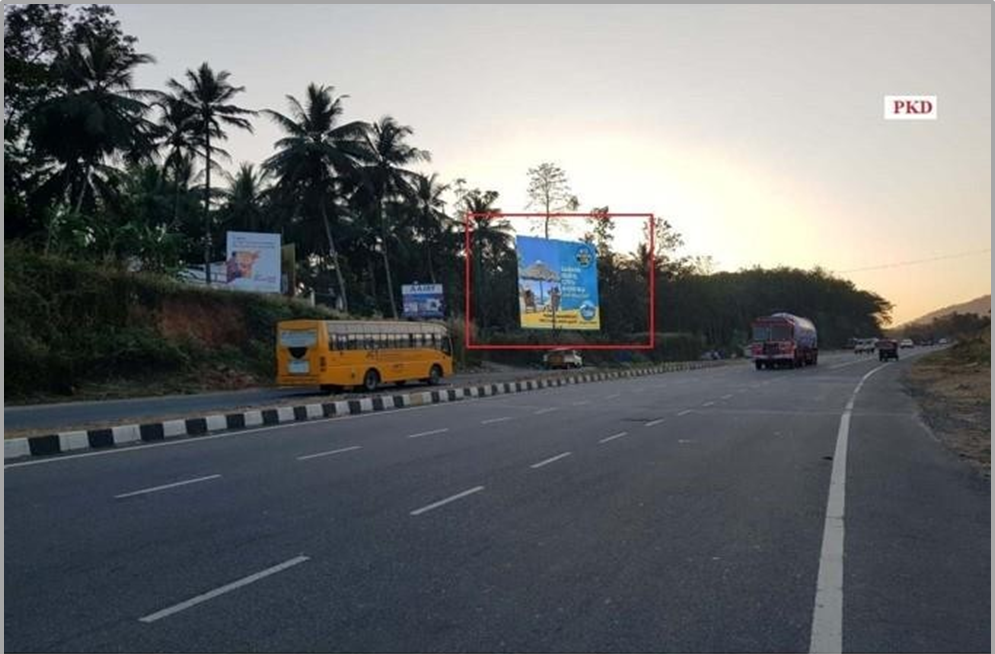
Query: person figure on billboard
{"points": [[554, 299]]}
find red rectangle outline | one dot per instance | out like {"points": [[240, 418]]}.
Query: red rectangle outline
{"points": [[468, 229]]}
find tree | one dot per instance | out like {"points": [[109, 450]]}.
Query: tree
{"points": [[181, 137], [311, 158], [244, 199], [431, 217], [209, 95], [95, 115], [388, 179], [549, 190]]}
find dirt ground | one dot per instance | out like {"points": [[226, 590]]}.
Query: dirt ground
{"points": [[953, 389]]}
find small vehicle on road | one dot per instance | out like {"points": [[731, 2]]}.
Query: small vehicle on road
{"points": [[864, 346], [906, 343], [562, 358], [887, 349]]}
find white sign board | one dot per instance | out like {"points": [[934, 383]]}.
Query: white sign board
{"points": [[253, 262]]}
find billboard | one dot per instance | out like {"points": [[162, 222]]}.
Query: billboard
{"points": [[422, 300], [557, 284], [253, 262]]}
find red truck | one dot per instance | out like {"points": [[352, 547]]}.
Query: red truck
{"points": [[784, 340]]}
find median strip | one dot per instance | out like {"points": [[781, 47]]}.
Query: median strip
{"points": [[76, 443]]}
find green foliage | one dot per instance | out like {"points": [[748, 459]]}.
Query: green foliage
{"points": [[67, 324]]}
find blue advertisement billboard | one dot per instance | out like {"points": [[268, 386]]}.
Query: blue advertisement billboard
{"points": [[422, 300], [557, 284]]}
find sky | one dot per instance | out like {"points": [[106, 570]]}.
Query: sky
{"points": [[756, 131]]}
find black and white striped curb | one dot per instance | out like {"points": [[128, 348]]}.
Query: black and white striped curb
{"points": [[123, 435]]}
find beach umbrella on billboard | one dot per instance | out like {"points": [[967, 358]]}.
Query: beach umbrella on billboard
{"points": [[540, 272]]}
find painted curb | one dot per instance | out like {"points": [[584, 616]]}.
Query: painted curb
{"points": [[76, 441]]}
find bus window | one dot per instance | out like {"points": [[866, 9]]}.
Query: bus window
{"points": [[447, 346]]}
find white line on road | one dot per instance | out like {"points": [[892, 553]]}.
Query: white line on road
{"points": [[165, 486], [329, 453], [493, 420], [827, 616], [451, 498], [684, 412], [726, 397], [653, 423], [707, 403], [613, 437], [429, 433], [227, 588], [613, 396], [550, 460], [548, 409], [580, 402]]}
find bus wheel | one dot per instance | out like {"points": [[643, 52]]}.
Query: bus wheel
{"points": [[371, 380], [435, 375]]}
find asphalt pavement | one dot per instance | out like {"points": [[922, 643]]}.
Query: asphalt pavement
{"points": [[680, 512], [78, 414]]}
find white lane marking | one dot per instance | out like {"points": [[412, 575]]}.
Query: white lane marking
{"points": [[580, 402], [227, 588], [451, 498], [827, 616], [329, 452], [490, 421], [726, 397], [155, 489], [707, 403], [546, 410], [684, 412], [638, 390], [684, 440], [613, 437], [653, 423], [613, 396], [429, 433], [550, 460]]}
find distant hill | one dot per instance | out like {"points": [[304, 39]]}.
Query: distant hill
{"points": [[981, 306]]}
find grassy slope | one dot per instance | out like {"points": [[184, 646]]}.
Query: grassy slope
{"points": [[953, 388], [74, 331]]}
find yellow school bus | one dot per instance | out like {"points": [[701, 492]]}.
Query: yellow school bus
{"points": [[334, 354]]}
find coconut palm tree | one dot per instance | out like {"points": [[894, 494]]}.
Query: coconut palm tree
{"points": [[95, 119], [313, 157], [430, 215], [386, 178], [210, 96], [244, 199]]}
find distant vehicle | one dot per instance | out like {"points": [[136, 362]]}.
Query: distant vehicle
{"points": [[942, 341], [906, 343], [784, 340], [562, 358], [887, 349], [864, 346], [334, 354]]}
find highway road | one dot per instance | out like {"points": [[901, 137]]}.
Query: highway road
{"points": [[714, 510], [73, 415]]}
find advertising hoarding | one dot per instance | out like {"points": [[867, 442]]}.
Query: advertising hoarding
{"points": [[557, 284], [253, 262], [422, 300]]}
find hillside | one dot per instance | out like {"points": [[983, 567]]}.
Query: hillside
{"points": [[981, 306], [73, 329]]}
